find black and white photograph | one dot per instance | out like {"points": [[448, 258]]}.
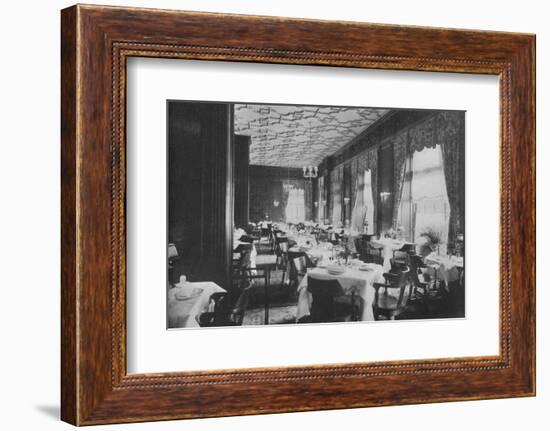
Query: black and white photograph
{"points": [[297, 214]]}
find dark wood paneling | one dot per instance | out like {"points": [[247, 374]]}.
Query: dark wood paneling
{"points": [[104, 37], [242, 177], [200, 164]]}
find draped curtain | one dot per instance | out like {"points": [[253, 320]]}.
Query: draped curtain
{"points": [[400, 153], [322, 201], [336, 187], [359, 211], [445, 131], [294, 184], [449, 132], [373, 167], [308, 200], [366, 161], [429, 193], [406, 210], [368, 198], [295, 208]]}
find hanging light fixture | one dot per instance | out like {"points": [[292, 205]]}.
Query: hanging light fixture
{"points": [[310, 171]]}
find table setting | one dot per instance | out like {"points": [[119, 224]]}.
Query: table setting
{"points": [[355, 276], [186, 301]]}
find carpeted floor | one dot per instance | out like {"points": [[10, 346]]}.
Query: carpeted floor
{"points": [[278, 315]]}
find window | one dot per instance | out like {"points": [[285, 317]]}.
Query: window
{"points": [[295, 210], [424, 203]]}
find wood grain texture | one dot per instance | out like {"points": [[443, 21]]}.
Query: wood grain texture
{"points": [[96, 41]]}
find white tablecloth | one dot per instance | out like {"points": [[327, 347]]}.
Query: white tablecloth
{"points": [[351, 280], [443, 268], [389, 245], [321, 252], [183, 314]]}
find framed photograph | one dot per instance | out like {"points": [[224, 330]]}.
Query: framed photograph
{"points": [[322, 214]]}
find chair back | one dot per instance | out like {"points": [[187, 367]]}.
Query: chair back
{"points": [[298, 268], [323, 293], [372, 254], [401, 256], [281, 245], [358, 246], [399, 280]]}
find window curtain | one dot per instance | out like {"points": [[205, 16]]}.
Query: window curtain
{"points": [[364, 201], [373, 167], [336, 186], [359, 211], [450, 132], [429, 195], [400, 154], [308, 200], [436, 156], [296, 206], [406, 211], [322, 198], [368, 218]]}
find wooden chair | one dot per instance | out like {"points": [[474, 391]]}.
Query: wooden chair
{"points": [[373, 255], [297, 266], [388, 304], [359, 248], [217, 317], [401, 256], [330, 304], [228, 309], [281, 251]]}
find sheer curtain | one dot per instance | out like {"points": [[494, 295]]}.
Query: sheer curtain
{"points": [[429, 193], [368, 218], [424, 204], [295, 210], [358, 213]]}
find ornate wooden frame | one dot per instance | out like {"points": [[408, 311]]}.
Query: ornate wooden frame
{"points": [[95, 42]]}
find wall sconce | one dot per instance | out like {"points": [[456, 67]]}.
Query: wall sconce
{"points": [[275, 203], [384, 196], [316, 204], [346, 200]]}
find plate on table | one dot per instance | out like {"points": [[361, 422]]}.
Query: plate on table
{"points": [[321, 265], [367, 266], [335, 269], [187, 294]]}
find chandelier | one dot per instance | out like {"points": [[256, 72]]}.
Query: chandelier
{"points": [[310, 171]]}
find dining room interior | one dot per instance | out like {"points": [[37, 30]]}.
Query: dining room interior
{"points": [[302, 214]]}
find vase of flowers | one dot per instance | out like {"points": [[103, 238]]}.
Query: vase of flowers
{"points": [[433, 238]]}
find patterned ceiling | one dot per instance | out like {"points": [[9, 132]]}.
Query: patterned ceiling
{"points": [[296, 136]]}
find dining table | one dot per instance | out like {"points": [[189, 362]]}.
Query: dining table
{"points": [[187, 301], [320, 252], [445, 268], [351, 280], [388, 246]]}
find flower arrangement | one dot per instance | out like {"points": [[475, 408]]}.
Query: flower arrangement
{"points": [[432, 236]]}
